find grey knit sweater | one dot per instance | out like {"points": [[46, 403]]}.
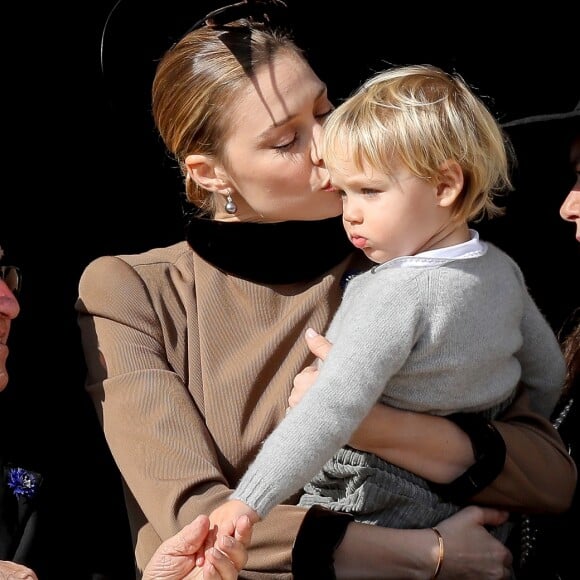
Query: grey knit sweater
{"points": [[425, 333]]}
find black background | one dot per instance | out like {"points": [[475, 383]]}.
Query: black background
{"points": [[84, 175]]}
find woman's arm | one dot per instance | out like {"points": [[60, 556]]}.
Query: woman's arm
{"points": [[427, 445], [470, 551], [539, 474], [536, 475], [157, 433], [367, 551], [522, 463]]}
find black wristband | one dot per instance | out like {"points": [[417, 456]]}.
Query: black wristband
{"points": [[321, 532], [489, 451]]}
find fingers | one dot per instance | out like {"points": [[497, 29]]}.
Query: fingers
{"points": [[188, 541], [231, 554], [317, 343], [218, 566], [191, 538], [320, 347], [244, 528], [470, 550], [210, 539], [301, 383], [490, 516], [234, 550], [494, 517]]}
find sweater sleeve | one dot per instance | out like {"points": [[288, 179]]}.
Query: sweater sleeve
{"points": [[157, 435], [374, 341], [541, 359]]}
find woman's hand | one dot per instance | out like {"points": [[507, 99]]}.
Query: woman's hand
{"points": [[470, 550], [302, 382], [319, 346], [175, 558]]}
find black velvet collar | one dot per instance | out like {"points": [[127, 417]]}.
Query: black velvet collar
{"points": [[272, 253]]}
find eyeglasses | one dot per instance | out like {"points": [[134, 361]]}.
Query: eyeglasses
{"points": [[12, 278], [262, 11]]}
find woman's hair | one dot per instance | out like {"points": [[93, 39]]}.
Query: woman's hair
{"points": [[571, 350], [197, 83], [422, 117]]}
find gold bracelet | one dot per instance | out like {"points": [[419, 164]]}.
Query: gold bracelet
{"points": [[440, 555]]}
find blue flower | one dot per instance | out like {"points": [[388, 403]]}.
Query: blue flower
{"points": [[22, 482]]}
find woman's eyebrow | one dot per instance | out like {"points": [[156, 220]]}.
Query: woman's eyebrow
{"points": [[277, 124]]}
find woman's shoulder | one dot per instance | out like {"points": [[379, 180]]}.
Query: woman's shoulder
{"points": [[168, 257], [134, 273]]}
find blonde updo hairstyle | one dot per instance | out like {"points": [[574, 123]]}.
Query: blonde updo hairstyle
{"points": [[424, 117], [196, 84]]}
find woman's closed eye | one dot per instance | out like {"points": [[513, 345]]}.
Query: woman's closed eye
{"points": [[287, 144]]}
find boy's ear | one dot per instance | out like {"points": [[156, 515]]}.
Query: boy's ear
{"points": [[203, 170], [450, 183]]}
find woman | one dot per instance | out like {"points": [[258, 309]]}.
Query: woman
{"points": [[191, 349], [545, 545], [416, 157]]}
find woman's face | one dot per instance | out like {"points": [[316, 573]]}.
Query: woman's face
{"points": [[272, 146], [570, 209]]}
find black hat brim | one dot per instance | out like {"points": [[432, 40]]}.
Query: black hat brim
{"points": [[558, 123]]}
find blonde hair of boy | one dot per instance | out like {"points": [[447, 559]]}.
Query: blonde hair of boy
{"points": [[424, 117]]}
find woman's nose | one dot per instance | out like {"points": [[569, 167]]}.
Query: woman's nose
{"points": [[315, 153], [570, 209]]}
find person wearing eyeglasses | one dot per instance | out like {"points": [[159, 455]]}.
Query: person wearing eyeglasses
{"points": [[19, 485], [173, 560], [191, 349]]}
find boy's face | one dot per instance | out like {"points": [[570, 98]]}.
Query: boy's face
{"points": [[389, 216]]}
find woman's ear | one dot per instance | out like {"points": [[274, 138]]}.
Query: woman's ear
{"points": [[450, 183], [202, 170]]}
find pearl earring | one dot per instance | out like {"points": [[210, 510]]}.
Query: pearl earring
{"points": [[230, 206]]}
